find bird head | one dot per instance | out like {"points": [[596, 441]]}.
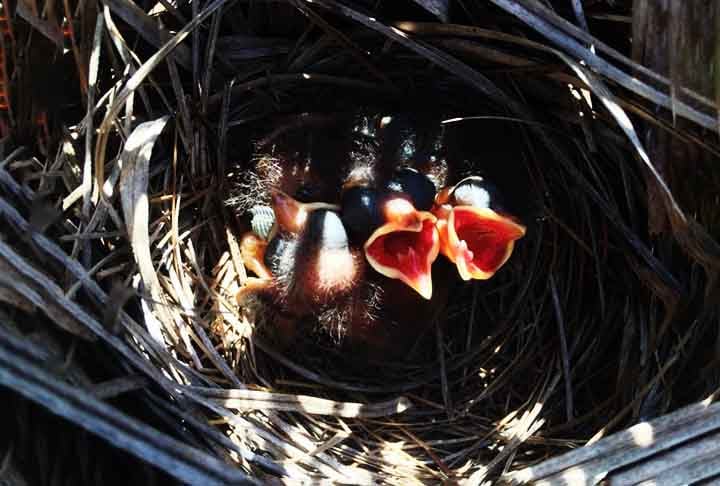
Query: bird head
{"points": [[309, 250], [398, 230], [475, 232]]}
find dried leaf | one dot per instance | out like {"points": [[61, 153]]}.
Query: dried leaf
{"points": [[18, 283], [255, 399], [119, 295], [15, 299], [544, 25], [640, 445], [439, 8], [52, 32], [20, 372], [43, 215], [134, 179], [131, 13]]}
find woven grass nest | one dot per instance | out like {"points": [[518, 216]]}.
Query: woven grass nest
{"points": [[123, 185]]}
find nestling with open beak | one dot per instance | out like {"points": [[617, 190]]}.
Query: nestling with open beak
{"points": [[390, 220], [475, 232], [400, 239]]}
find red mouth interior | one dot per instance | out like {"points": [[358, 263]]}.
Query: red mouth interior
{"points": [[487, 238], [405, 251]]}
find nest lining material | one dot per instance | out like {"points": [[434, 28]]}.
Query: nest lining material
{"points": [[593, 326]]}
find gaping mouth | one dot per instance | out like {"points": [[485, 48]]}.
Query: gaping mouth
{"points": [[478, 240], [405, 250]]}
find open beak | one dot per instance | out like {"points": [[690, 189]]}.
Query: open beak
{"points": [[290, 214], [478, 240], [405, 246]]}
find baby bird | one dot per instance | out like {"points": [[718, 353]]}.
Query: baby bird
{"points": [[475, 232], [305, 266], [395, 226]]}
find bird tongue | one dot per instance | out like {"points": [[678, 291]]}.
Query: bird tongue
{"points": [[465, 251], [408, 258], [465, 258], [412, 263]]}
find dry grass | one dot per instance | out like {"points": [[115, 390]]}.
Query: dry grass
{"points": [[118, 252]]}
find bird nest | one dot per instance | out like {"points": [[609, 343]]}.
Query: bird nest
{"points": [[126, 159]]}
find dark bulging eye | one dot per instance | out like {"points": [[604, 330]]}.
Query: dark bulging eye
{"points": [[416, 185], [360, 212], [478, 192]]}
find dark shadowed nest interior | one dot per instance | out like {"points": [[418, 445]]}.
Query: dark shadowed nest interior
{"points": [[131, 136]]}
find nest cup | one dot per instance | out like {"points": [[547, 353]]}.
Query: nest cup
{"points": [[593, 324]]}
